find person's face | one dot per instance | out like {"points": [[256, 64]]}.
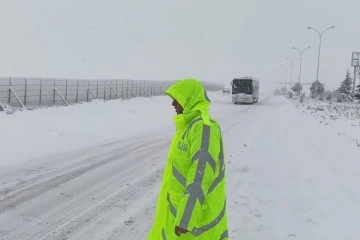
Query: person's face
{"points": [[178, 107]]}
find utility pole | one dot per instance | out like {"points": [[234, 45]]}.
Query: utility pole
{"points": [[301, 53], [355, 62], [291, 64]]}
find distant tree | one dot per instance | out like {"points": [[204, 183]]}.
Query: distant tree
{"points": [[316, 88], [283, 90], [346, 85], [357, 92], [297, 88]]}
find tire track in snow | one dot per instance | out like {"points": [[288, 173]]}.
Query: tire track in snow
{"points": [[31, 191], [62, 221], [225, 118], [118, 202]]}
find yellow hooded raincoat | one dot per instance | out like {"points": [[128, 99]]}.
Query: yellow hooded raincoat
{"points": [[192, 194]]}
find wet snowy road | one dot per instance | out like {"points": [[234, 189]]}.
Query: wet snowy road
{"points": [[79, 194], [283, 181]]}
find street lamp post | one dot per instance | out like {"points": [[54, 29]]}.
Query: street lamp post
{"points": [[320, 36], [291, 64], [301, 53]]}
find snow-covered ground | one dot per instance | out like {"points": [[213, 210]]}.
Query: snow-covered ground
{"points": [[93, 170]]}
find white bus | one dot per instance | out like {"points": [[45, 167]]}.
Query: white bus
{"points": [[244, 90]]}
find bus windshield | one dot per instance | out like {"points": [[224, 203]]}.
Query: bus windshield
{"points": [[242, 86]]}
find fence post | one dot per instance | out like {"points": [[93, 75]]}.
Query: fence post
{"points": [[77, 90], [40, 91], [87, 94], [105, 91], [25, 93], [9, 91], [110, 89], [122, 89], [127, 89], [66, 88], [136, 89], [54, 91], [97, 88], [132, 86]]}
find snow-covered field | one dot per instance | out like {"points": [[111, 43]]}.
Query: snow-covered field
{"points": [[93, 170], [345, 117]]}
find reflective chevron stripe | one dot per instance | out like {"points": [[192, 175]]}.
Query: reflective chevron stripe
{"points": [[179, 176], [190, 126], [221, 175], [172, 208], [203, 154], [194, 190], [224, 235], [163, 234], [198, 231], [217, 180]]}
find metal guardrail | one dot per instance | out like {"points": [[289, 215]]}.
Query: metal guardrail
{"points": [[24, 92]]}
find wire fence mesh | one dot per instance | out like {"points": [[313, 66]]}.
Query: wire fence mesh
{"points": [[21, 92]]}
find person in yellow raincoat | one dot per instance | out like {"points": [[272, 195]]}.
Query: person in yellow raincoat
{"points": [[192, 199]]}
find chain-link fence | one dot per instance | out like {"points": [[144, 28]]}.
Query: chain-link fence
{"points": [[21, 92]]}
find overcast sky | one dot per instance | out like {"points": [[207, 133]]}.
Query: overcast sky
{"points": [[212, 40]]}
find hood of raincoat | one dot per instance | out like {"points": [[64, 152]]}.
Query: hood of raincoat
{"points": [[191, 95]]}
